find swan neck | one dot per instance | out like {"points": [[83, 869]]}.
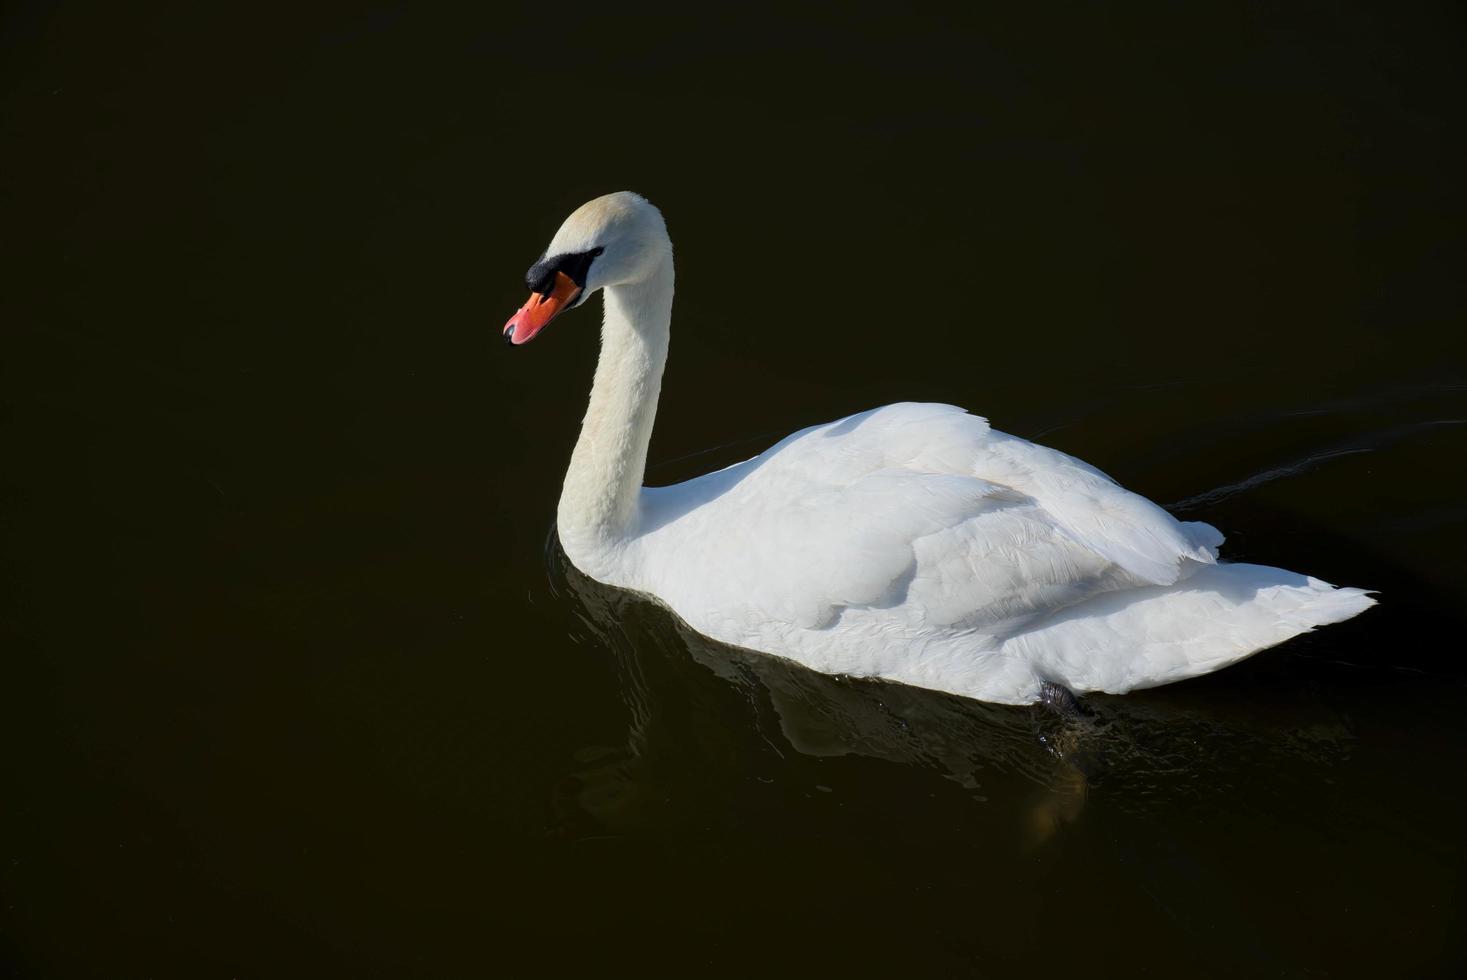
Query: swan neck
{"points": [[599, 504]]}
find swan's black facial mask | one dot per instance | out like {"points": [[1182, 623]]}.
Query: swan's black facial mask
{"points": [[576, 266], [556, 284]]}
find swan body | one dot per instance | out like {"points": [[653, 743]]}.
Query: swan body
{"points": [[912, 542]]}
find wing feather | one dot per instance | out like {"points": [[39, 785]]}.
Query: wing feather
{"points": [[920, 508]]}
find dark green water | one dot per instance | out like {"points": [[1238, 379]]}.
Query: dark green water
{"points": [[293, 687]]}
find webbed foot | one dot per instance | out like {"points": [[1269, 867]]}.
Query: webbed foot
{"points": [[1062, 701]]}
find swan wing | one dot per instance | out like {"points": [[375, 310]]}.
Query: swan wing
{"points": [[919, 509], [1098, 513]]}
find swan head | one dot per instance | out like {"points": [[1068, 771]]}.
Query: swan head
{"points": [[614, 240]]}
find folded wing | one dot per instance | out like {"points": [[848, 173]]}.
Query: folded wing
{"points": [[917, 508]]}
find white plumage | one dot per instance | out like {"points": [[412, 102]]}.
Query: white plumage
{"points": [[912, 542]]}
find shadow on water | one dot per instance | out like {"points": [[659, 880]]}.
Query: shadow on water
{"points": [[1242, 797], [699, 711]]}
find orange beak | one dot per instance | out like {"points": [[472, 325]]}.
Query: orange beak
{"points": [[540, 309]]}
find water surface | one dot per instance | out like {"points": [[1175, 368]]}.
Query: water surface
{"points": [[297, 682]]}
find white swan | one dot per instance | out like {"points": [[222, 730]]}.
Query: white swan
{"points": [[911, 542]]}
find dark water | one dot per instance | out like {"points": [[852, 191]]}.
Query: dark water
{"points": [[293, 686]]}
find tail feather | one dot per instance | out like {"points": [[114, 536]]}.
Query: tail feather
{"points": [[1221, 614]]}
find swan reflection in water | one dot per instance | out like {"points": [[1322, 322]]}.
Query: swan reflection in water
{"points": [[720, 733]]}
